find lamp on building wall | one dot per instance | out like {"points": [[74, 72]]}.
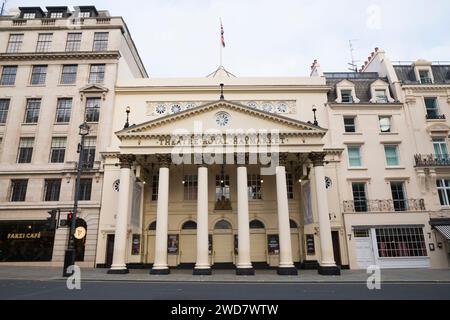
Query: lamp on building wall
{"points": [[127, 123], [69, 256], [314, 110]]}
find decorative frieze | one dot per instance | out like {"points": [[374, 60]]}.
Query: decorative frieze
{"points": [[162, 108]]}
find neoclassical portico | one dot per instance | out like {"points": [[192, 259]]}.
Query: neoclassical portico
{"points": [[293, 142]]}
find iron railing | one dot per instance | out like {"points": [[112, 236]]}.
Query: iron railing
{"points": [[432, 160], [389, 205], [435, 116]]}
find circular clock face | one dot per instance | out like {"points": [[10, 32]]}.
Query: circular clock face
{"points": [[223, 119], [176, 108], [161, 109], [116, 185], [282, 107], [267, 107]]}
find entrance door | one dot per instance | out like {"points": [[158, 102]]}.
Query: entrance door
{"points": [[188, 248], [257, 241], [151, 248], [109, 250], [223, 242], [364, 250], [295, 244], [223, 248], [336, 247]]}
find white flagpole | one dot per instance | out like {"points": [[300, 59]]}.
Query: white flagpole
{"points": [[221, 45]]}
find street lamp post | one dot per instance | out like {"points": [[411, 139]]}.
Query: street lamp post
{"points": [[69, 257]]}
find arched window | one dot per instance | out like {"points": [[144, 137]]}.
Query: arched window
{"points": [[293, 224], [152, 226], [222, 225], [256, 224], [189, 225]]}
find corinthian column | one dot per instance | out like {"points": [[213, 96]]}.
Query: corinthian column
{"points": [[120, 239], [327, 263], [160, 266]]}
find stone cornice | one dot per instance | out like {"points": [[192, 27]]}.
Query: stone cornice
{"points": [[79, 55], [230, 89], [366, 106], [333, 151], [426, 88]]}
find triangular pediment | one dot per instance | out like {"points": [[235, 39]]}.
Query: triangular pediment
{"points": [[240, 117], [379, 83], [94, 88], [345, 83]]}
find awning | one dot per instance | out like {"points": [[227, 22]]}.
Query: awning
{"points": [[444, 230]]}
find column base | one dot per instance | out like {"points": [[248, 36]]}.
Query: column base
{"points": [[160, 271], [245, 272], [118, 271], [202, 272], [329, 270], [287, 271]]}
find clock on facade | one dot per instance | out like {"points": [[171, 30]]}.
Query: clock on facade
{"points": [[223, 119]]}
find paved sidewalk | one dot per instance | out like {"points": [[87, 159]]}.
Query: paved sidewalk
{"points": [[142, 275]]}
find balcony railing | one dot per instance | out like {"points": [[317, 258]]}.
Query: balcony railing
{"points": [[432, 160], [364, 206], [435, 116]]}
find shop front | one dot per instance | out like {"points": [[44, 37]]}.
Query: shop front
{"points": [[26, 241]]}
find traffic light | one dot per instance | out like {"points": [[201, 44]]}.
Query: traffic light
{"points": [[51, 221], [69, 218]]}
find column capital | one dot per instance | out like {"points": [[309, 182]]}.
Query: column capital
{"points": [[317, 158], [164, 160], [126, 160]]}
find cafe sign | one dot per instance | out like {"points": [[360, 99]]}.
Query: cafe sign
{"points": [[24, 236]]}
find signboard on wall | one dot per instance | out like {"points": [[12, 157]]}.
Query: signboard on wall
{"points": [[236, 244], [310, 245], [273, 244], [210, 243], [136, 244], [26, 241], [172, 244]]}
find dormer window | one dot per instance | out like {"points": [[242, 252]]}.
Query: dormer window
{"points": [[425, 77], [84, 14], [380, 92], [380, 96], [56, 15], [29, 15], [347, 96]]}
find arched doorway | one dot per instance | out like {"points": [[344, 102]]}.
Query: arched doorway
{"points": [[223, 242], [188, 242], [295, 241], [80, 244], [151, 242], [257, 241]]}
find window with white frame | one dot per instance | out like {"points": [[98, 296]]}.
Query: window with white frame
{"points": [[84, 14], [425, 77], [14, 43], [88, 153], [380, 96], [73, 42], [58, 150], [63, 110], [44, 42], [432, 108], [350, 124], [4, 108], [92, 109], [385, 124], [354, 156], [347, 96], [38, 75], [254, 186], [69, 74], [399, 196], [359, 196], [190, 187], [52, 189], [443, 186], [440, 148], [97, 73], [56, 15], [222, 187], [100, 41], [32, 110], [391, 152], [29, 15], [8, 77], [400, 242], [25, 150]]}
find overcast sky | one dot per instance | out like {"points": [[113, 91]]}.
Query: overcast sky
{"points": [[178, 38]]}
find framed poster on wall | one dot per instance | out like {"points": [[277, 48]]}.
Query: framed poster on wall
{"points": [[273, 244], [136, 244], [172, 244], [210, 243], [310, 245], [236, 244]]}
